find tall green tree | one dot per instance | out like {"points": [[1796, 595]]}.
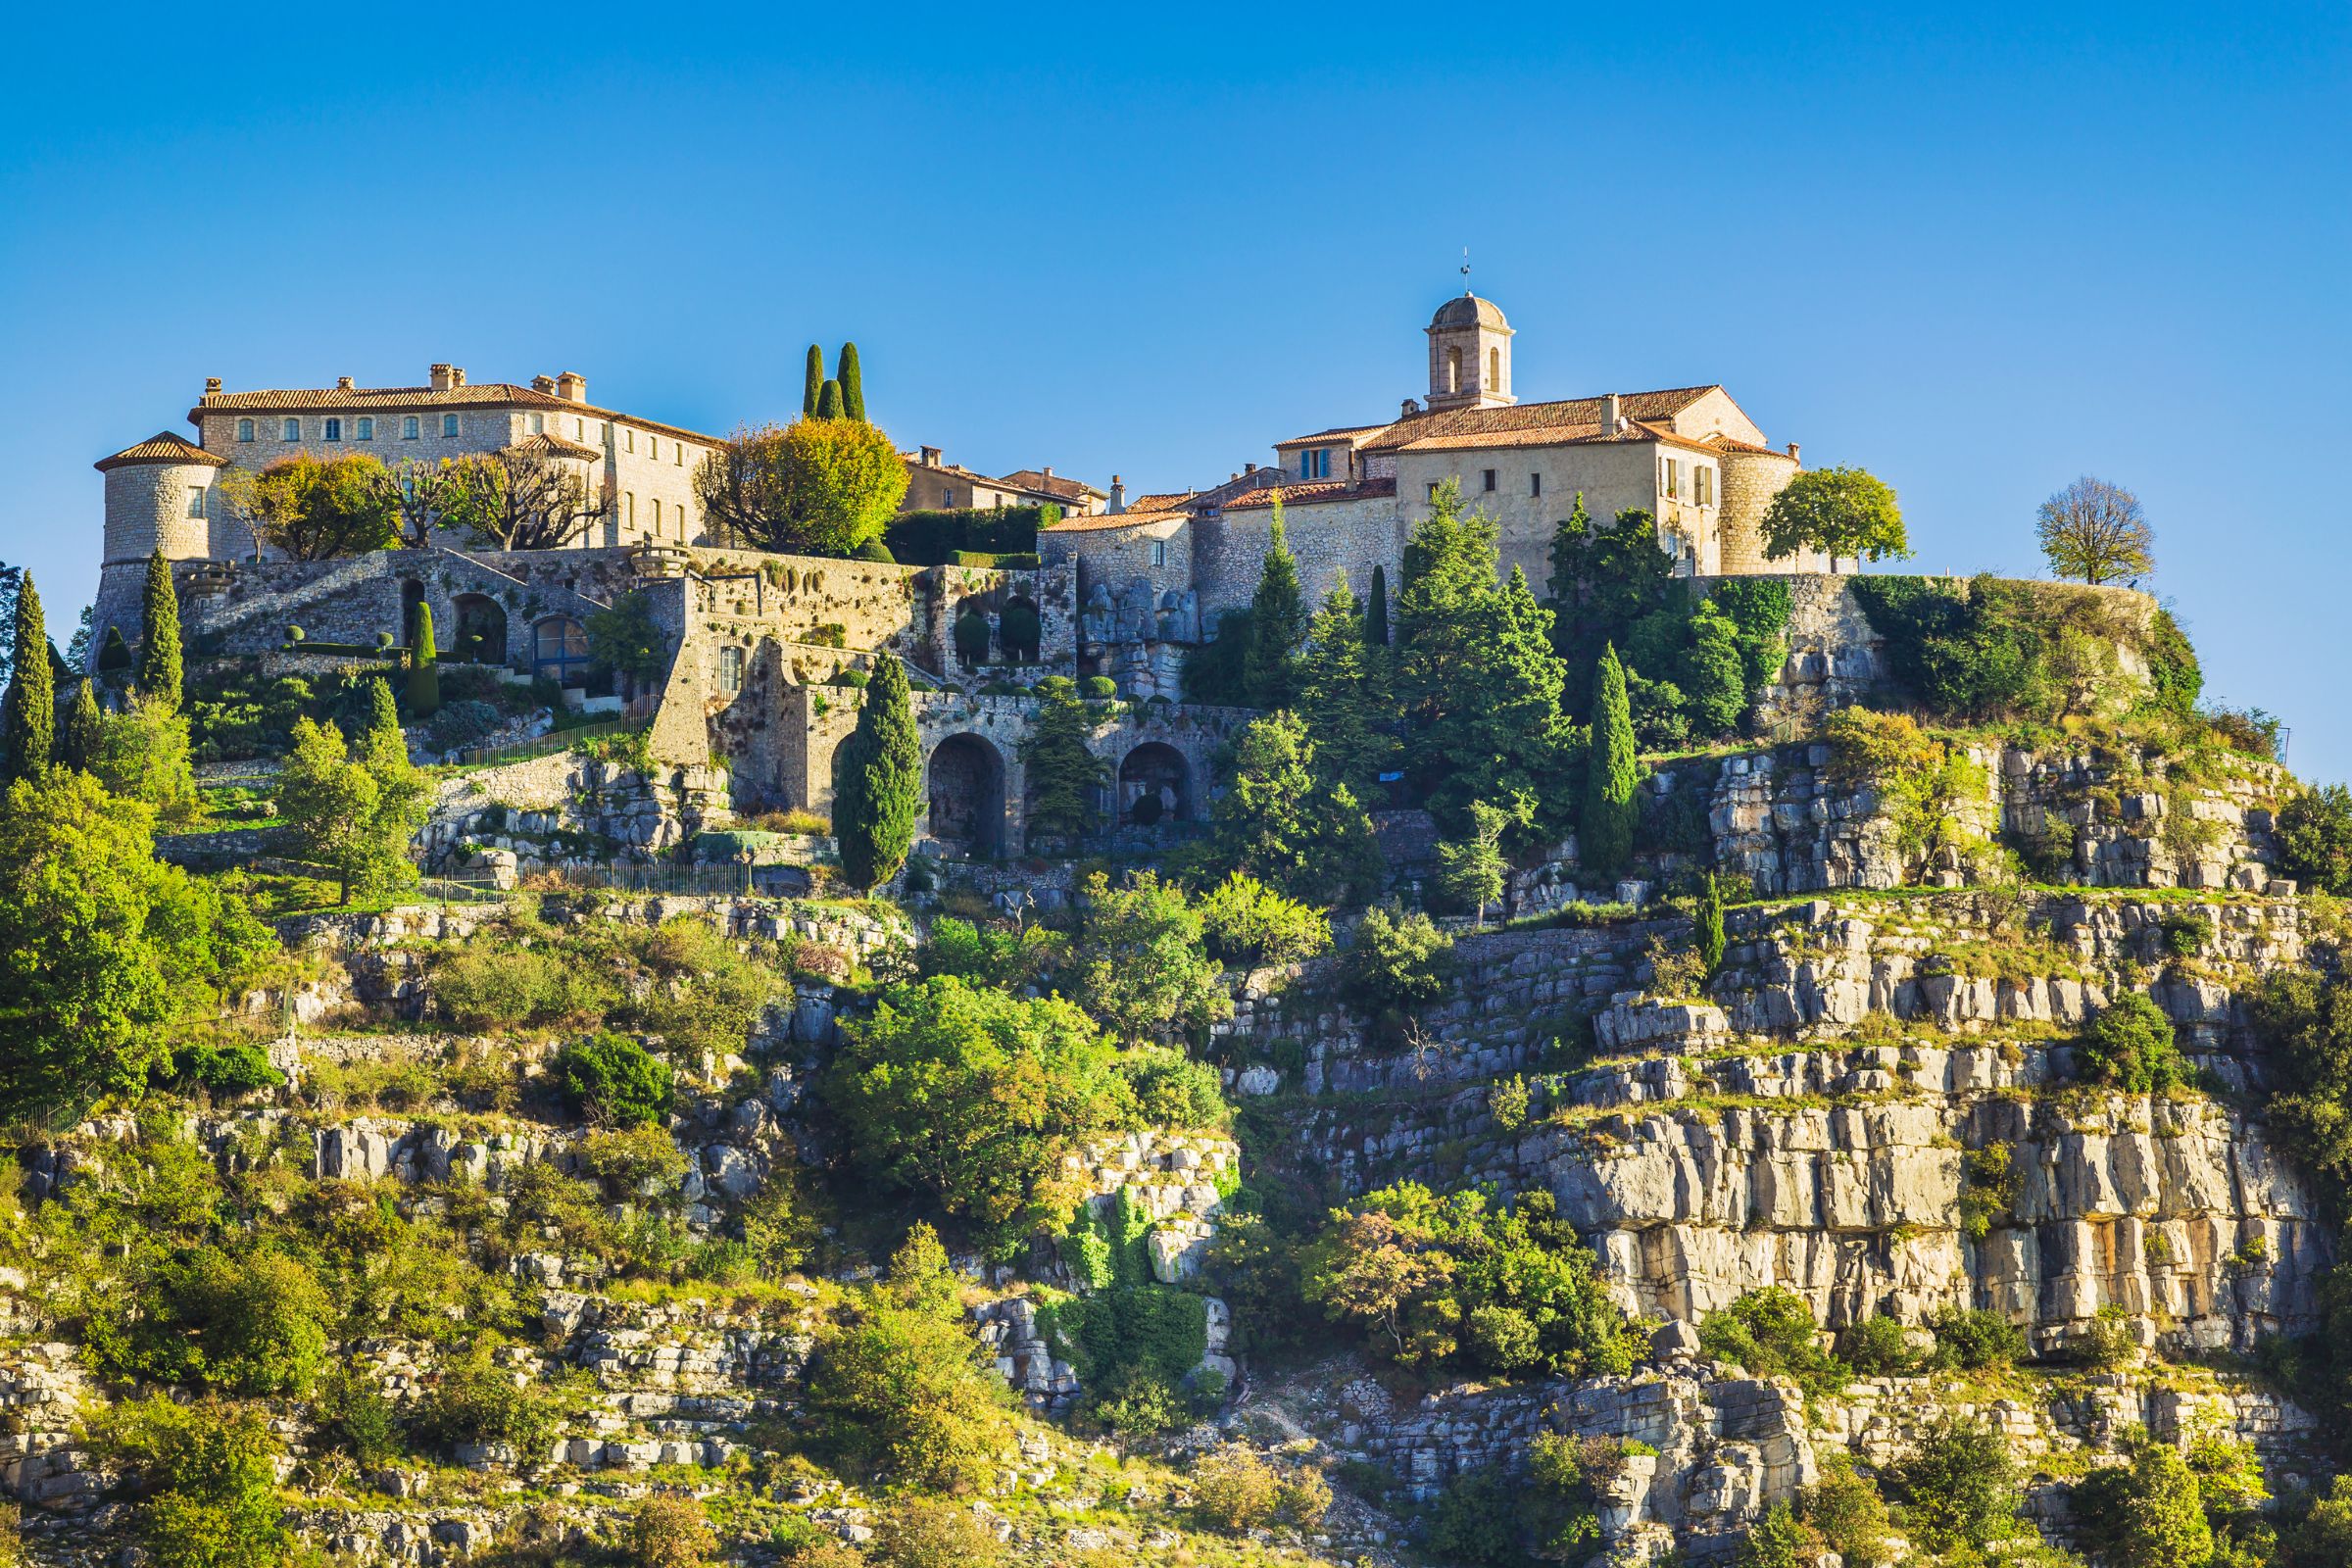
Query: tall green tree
{"points": [[1713, 677], [1140, 964], [1606, 832], [1841, 511], [1709, 933], [424, 673], [143, 754], [1064, 776], [159, 649], [1342, 686], [1471, 870], [77, 735], [879, 787], [1277, 624], [814, 382], [828, 401], [852, 382], [29, 712], [342, 815], [1307, 837], [1376, 608]]}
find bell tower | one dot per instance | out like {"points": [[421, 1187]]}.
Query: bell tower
{"points": [[1469, 355]]}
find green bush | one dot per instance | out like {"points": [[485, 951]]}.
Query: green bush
{"points": [[1235, 1492], [971, 638], [2130, 1047], [1172, 1089], [479, 1400], [2314, 839], [1878, 1347], [1020, 630], [1396, 961], [1245, 919], [209, 1476], [236, 1067], [1958, 1487], [1097, 688], [1138, 963], [1771, 1332], [614, 1079], [1975, 1339]]}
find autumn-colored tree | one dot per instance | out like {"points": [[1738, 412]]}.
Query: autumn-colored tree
{"points": [[2096, 531]]}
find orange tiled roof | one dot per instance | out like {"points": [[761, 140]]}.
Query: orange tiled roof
{"points": [[1162, 501], [1052, 484], [1658, 405], [1319, 493], [1553, 435], [161, 447], [485, 395], [555, 446], [1132, 517]]}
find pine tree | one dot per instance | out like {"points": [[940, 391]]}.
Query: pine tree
{"points": [[828, 401], [401, 790], [79, 735], [879, 786], [1064, 774], [814, 381], [425, 675], [1343, 687], [1710, 925], [1307, 838], [853, 383], [1470, 871], [1376, 608], [28, 714], [1277, 625], [158, 652], [1606, 832]]}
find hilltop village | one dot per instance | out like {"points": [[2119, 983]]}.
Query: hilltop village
{"points": [[1476, 993]]}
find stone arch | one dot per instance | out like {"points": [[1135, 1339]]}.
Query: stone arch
{"points": [[559, 650], [1156, 785], [480, 632], [965, 785], [412, 600]]}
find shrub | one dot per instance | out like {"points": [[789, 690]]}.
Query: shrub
{"points": [[2109, 1340], [211, 1479], [1975, 1339], [2314, 839], [671, 1532], [1779, 1539], [1958, 1487], [1877, 1346], [1139, 964], [2185, 934], [2130, 1047], [1020, 630], [1245, 919], [934, 1534], [1396, 961], [971, 637], [460, 724], [1097, 688], [1988, 1187], [1235, 1490], [1172, 1089], [236, 1067], [1846, 1512], [614, 1079], [1476, 1522], [1771, 1332], [1306, 1496], [479, 1400], [355, 1415]]}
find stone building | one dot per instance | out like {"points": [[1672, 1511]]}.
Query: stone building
{"points": [[935, 485], [1689, 457]]}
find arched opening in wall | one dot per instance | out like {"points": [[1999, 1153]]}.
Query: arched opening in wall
{"points": [[412, 600], [1021, 629], [966, 780], [1493, 369], [480, 634], [559, 651], [1453, 370], [1154, 786]]}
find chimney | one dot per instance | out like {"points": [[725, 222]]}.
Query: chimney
{"points": [[1612, 414], [343, 384], [1792, 452], [1118, 493], [211, 385], [930, 456], [1049, 471], [1410, 409], [544, 383], [443, 378], [571, 386]]}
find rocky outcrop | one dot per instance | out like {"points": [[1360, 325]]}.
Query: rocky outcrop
{"points": [[570, 806]]}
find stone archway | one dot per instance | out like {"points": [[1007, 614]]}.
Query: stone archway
{"points": [[480, 634], [1154, 786], [966, 788]]}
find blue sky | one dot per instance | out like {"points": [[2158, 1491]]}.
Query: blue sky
{"points": [[1979, 254]]}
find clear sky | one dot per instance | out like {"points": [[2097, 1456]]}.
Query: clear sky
{"points": [[1977, 254]]}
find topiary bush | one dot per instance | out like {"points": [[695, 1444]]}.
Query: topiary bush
{"points": [[971, 637], [1020, 630], [1099, 688]]}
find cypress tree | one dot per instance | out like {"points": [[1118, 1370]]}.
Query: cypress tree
{"points": [[879, 786], [1606, 833], [1710, 925], [1277, 626], [158, 652], [828, 401], [383, 715], [425, 678], [28, 714], [78, 734], [813, 381], [853, 383], [1376, 608]]}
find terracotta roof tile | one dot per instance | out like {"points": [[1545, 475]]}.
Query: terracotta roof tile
{"points": [[1162, 501], [1096, 523], [1052, 484], [1659, 404], [161, 447], [555, 446], [482, 395], [1319, 493]]}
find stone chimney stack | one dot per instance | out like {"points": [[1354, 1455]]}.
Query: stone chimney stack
{"points": [[447, 377], [344, 384], [1792, 452], [1047, 471], [211, 385], [571, 386], [544, 383], [1118, 493], [1612, 414], [930, 456]]}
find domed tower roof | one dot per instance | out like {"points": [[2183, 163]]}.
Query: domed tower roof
{"points": [[1468, 309], [161, 447]]}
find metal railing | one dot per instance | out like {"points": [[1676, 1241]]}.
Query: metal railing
{"points": [[637, 716]]}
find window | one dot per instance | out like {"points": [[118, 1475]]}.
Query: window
{"points": [[579, 430], [656, 516], [1535, 484], [408, 429], [730, 671], [1493, 369], [244, 429], [653, 447], [1702, 484], [1432, 492], [631, 437], [196, 501], [366, 430], [1159, 551], [449, 425], [1453, 370], [1490, 479], [628, 508], [559, 650], [1674, 477], [685, 522], [678, 455], [293, 430], [1315, 463], [335, 429], [538, 424]]}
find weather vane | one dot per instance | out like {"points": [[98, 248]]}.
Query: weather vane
{"points": [[1466, 270]]}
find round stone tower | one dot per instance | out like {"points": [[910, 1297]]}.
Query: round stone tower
{"points": [[158, 495], [1751, 477]]}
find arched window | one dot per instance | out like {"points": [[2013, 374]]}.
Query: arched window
{"points": [[559, 650], [244, 429], [1493, 369], [1453, 370]]}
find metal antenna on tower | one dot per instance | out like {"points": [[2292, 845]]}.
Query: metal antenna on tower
{"points": [[1466, 270]]}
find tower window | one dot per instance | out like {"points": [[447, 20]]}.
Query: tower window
{"points": [[730, 671], [449, 425], [1535, 484], [366, 430], [196, 501], [335, 429], [1453, 370], [244, 429], [1490, 479], [1493, 369], [293, 430], [408, 429]]}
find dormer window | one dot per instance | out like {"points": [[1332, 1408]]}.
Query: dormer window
{"points": [[1315, 463], [244, 429]]}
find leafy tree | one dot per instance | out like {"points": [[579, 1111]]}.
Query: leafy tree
{"points": [[1713, 675], [142, 754], [1376, 608], [210, 1478], [424, 672], [853, 383], [1276, 821], [1606, 832], [29, 712], [812, 382], [971, 1097], [1841, 511], [517, 498], [928, 1533], [616, 1081], [1396, 961], [822, 487], [104, 950], [1235, 1492], [344, 816], [1770, 1332], [1277, 624], [2315, 838], [1172, 1089], [2161, 1509], [1064, 776], [425, 495], [2130, 1047], [1243, 918], [158, 645], [78, 734], [1847, 1513], [671, 1532], [312, 508], [1342, 691], [627, 640], [1958, 1485], [2323, 1537], [2096, 531], [1776, 1541], [1139, 965], [1709, 936], [255, 1324], [1470, 870], [2306, 1021], [903, 1386], [878, 785]]}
